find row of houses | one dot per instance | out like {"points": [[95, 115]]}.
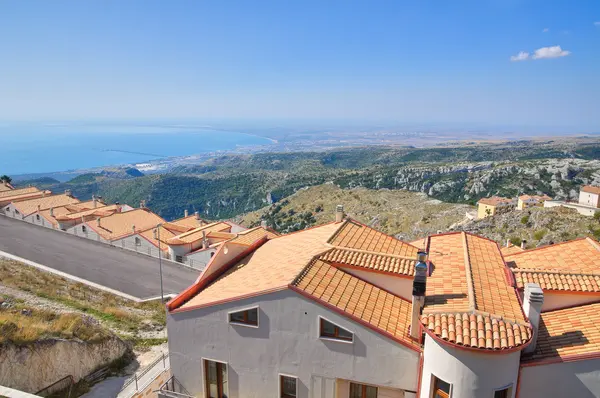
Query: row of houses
{"points": [[344, 311], [189, 240]]}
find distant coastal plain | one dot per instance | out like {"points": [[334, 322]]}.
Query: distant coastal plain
{"points": [[48, 148]]}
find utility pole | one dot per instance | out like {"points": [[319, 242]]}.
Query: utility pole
{"points": [[157, 236]]}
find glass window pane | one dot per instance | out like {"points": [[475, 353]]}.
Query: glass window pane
{"points": [[442, 385], [371, 392], [253, 316], [327, 328], [237, 317], [502, 393], [344, 334], [355, 390], [224, 383], [211, 379], [288, 387]]}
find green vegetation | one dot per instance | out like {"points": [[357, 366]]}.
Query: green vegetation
{"points": [[6, 179], [525, 220], [539, 235]]}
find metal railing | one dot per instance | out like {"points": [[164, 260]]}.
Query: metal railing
{"points": [[64, 385], [137, 377], [173, 388]]}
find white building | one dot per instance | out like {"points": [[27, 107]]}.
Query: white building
{"points": [[21, 209], [588, 204], [335, 311]]}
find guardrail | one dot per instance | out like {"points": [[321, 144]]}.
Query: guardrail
{"points": [[138, 378], [65, 384]]}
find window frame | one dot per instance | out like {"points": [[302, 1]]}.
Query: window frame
{"points": [[434, 389], [249, 325], [363, 388], [137, 241], [37, 217], [179, 259], [508, 387], [84, 229], [205, 370], [336, 337], [280, 380]]}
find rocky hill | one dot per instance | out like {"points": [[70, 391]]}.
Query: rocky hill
{"points": [[408, 215]]}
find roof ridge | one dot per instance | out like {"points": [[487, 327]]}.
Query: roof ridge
{"points": [[337, 231], [370, 252], [481, 313], [468, 274], [550, 271], [547, 246]]}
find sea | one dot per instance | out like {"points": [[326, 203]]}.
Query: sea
{"points": [[45, 148]]}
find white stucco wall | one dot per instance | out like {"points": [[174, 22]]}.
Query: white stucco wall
{"points": [[33, 219], [200, 258], [471, 374], [578, 379], [588, 199], [9, 211], [235, 228], [394, 284], [90, 233], [145, 247], [287, 342], [555, 301]]}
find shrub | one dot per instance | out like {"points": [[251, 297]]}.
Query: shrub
{"points": [[539, 235], [525, 219], [515, 240]]}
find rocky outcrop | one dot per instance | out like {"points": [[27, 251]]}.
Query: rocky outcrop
{"points": [[34, 366]]}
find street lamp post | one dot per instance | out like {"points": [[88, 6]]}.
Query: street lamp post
{"points": [[157, 236]]}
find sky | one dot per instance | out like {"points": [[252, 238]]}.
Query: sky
{"points": [[493, 62]]}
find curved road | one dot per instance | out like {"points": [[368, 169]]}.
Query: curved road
{"points": [[119, 269]]}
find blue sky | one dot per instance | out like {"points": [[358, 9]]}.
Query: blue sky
{"points": [[404, 61]]}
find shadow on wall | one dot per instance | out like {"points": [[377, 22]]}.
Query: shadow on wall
{"points": [[261, 332], [357, 348]]}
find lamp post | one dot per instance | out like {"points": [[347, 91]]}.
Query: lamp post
{"points": [[157, 237]]}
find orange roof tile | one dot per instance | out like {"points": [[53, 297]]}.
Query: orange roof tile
{"points": [[119, 225], [380, 309], [190, 221], [371, 261], [24, 196], [5, 187], [476, 330], [570, 331], [100, 211], [512, 249], [165, 235], [16, 192], [354, 235], [558, 280], [273, 265], [535, 197], [70, 211], [495, 200], [590, 189], [27, 207], [249, 236], [579, 255], [198, 233]]}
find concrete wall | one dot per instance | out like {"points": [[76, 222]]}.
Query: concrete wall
{"points": [[471, 374], [579, 379], [287, 342], [89, 233], [144, 246], [394, 284], [555, 301], [200, 258], [588, 199], [10, 211], [37, 219]]}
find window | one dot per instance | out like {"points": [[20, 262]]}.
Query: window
{"points": [[503, 392], [138, 241], [441, 389], [362, 391], [17, 211], [37, 217], [8, 209], [287, 387], [179, 259], [83, 229], [215, 374], [329, 330], [246, 317]]}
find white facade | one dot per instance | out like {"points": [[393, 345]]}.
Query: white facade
{"points": [[286, 342], [470, 373], [139, 244], [85, 231], [200, 258], [578, 379], [10, 211], [588, 199], [581, 209], [38, 219]]}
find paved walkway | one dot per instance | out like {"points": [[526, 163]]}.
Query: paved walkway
{"points": [[122, 270]]}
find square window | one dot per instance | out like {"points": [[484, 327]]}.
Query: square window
{"points": [[362, 391], [288, 386]]}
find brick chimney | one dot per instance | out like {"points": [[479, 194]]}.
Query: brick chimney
{"points": [[185, 213], [418, 294], [533, 299], [339, 213]]}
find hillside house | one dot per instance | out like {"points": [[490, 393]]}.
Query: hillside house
{"points": [[487, 207], [526, 201], [18, 195], [21, 209], [588, 204], [342, 310], [47, 217]]}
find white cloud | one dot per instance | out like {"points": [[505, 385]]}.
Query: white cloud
{"points": [[521, 56], [550, 52], [546, 30]]}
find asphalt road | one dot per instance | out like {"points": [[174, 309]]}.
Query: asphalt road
{"points": [[119, 269]]}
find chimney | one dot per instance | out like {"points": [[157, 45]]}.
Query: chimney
{"points": [[98, 222], [68, 192], [507, 242], [39, 208], [339, 213], [533, 299], [95, 201], [185, 213], [204, 240], [52, 212], [133, 229], [142, 204], [263, 223], [197, 215], [418, 294], [523, 244]]}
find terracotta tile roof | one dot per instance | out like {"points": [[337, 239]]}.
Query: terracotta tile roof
{"points": [[165, 235], [100, 211], [250, 236], [558, 280], [354, 235], [477, 330], [15, 192], [65, 212], [25, 196], [567, 332], [176, 228], [579, 255], [495, 200], [382, 310], [27, 207], [197, 233], [273, 265], [590, 189], [419, 243], [371, 261], [468, 289], [535, 197], [190, 221], [5, 187], [512, 249], [119, 225]]}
